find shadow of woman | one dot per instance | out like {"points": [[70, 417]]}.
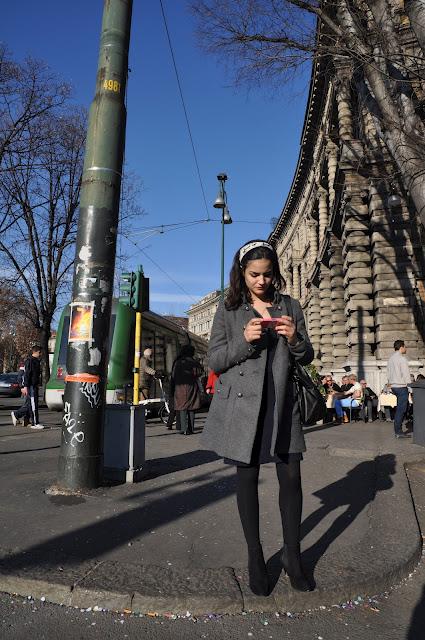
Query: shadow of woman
{"points": [[417, 624], [355, 491]]}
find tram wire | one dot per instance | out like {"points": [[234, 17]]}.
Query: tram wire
{"points": [[170, 44], [163, 271]]}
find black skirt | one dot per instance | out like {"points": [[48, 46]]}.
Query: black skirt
{"points": [[263, 438]]}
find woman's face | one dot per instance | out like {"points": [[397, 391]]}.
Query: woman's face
{"points": [[258, 276]]}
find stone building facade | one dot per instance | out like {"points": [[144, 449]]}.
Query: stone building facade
{"points": [[201, 314], [355, 263]]}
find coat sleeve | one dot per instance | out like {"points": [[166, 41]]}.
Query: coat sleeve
{"points": [[225, 352], [27, 373], [302, 351]]}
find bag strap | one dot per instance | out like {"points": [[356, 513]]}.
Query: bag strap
{"points": [[288, 304]]}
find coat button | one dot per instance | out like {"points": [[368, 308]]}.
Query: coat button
{"points": [[241, 373], [246, 308], [279, 307], [240, 395]]}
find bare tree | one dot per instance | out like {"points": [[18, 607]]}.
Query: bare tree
{"points": [[17, 334], [42, 141], [28, 91], [39, 196], [266, 39]]}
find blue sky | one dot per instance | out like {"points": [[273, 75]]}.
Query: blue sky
{"points": [[251, 135]]}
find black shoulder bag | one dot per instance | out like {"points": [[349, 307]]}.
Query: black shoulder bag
{"points": [[311, 403]]}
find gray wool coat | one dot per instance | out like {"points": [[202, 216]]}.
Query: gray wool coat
{"points": [[232, 420]]}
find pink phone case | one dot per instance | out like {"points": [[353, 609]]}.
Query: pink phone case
{"points": [[270, 322]]}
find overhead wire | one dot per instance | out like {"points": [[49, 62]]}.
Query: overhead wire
{"points": [[163, 271], [184, 107]]}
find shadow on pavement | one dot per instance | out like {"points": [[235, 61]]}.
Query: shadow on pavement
{"points": [[320, 427], [170, 464], [355, 490], [6, 453], [417, 624], [103, 536]]}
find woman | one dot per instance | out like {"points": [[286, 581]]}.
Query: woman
{"points": [[349, 399], [254, 416], [184, 381]]}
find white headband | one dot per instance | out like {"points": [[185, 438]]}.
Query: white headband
{"points": [[253, 245]]}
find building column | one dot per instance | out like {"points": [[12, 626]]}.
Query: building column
{"points": [[312, 237], [332, 157], [296, 289], [314, 324], [325, 317], [323, 212], [396, 302], [339, 335], [343, 98], [289, 279], [303, 280], [358, 279]]}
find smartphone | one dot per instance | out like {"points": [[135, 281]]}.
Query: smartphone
{"points": [[270, 322]]}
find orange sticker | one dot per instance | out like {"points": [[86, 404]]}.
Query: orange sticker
{"points": [[81, 323], [81, 377]]}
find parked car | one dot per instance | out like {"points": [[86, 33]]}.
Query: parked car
{"points": [[10, 385]]}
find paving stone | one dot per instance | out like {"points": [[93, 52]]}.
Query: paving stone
{"points": [[179, 590], [32, 573]]}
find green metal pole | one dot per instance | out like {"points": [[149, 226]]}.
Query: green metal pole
{"points": [[222, 256], [81, 457]]}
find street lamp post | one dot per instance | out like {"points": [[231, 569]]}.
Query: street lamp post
{"points": [[221, 203]]}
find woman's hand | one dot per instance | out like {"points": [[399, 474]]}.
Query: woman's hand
{"points": [[253, 330], [287, 329]]}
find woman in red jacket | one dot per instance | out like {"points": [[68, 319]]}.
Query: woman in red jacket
{"points": [[212, 379]]}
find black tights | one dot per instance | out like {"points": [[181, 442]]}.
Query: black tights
{"points": [[290, 502]]}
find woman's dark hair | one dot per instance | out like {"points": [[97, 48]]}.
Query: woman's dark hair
{"points": [[238, 291]]}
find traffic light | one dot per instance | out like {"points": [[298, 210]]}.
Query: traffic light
{"points": [[134, 290], [129, 289]]}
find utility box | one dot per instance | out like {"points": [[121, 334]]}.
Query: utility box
{"points": [[418, 390], [124, 442]]}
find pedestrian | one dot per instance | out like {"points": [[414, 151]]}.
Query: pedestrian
{"points": [[399, 380], [172, 414], [345, 385], [187, 396], [254, 415], [147, 374], [349, 399], [329, 386], [370, 403], [210, 385], [30, 390]]}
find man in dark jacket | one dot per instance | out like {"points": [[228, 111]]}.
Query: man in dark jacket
{"points": [[30, 387], [370, 403]]}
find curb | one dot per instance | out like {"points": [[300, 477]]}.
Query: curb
{"points": [[375, 564]]}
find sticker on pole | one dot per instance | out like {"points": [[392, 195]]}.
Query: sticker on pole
{"points": [[81, 322]]}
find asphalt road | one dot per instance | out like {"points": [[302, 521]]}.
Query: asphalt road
{"points": [[399, 615]]}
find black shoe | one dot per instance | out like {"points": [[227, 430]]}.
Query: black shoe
{"points": [[258, 577], [291, 561], [403, 435], [169, 428]]}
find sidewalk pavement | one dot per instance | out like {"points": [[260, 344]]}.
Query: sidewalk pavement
{"points": [[173, 542]]}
